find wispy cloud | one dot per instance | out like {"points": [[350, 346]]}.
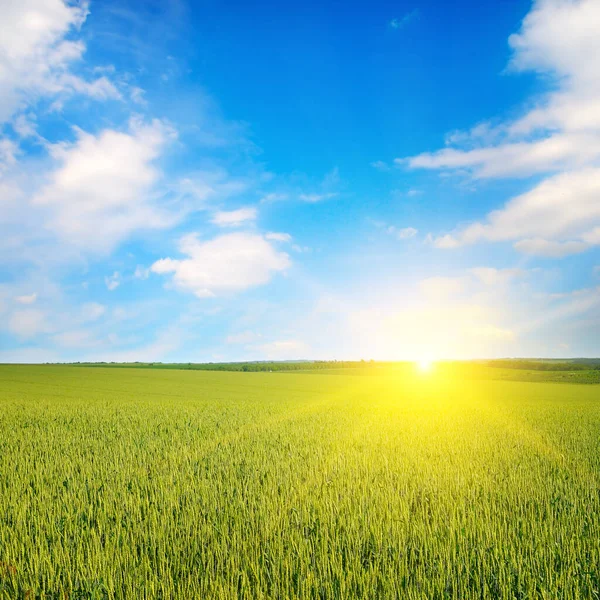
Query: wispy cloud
{"points": [[113, 281], [401, 22], [326, 189], [234, 218], [312, 198], [559, 138], [401, 233], [558, 217], [278, 237], [27, 299], [381, 165]]}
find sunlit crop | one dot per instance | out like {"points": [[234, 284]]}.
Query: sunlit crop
{"points": [[132, 483]]}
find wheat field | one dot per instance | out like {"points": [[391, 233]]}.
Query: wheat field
{"points": [[141, 483]]}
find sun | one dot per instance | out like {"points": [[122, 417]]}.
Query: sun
{"points": [[424, 366]]}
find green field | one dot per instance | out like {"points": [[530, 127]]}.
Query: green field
{"points": [[149, 483]]}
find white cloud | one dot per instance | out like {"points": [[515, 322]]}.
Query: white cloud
{"points": [[226, 264], [522, 159], [401, 233], [27, 299], [300, 249], [278, 237], [137, 95], [555, 218], [102, 191], [36, 52], [446, 242], [490, 276], [113, 281], [27, 323], [234, 218], [407, 233], [326, 189], [559, 137], [141, 272], [273, 197], [380, 165], [550, 249], [592, 236], [563, 307], [313, 198], [483, 133], [25, 126], [404, 233], [198, 188], [559, 37], [8, 154], [404, 20]]}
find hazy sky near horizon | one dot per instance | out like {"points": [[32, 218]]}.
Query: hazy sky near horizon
{"points": [[226, 180]]}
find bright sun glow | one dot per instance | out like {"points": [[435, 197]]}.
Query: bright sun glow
{"points": [[424, 366]]}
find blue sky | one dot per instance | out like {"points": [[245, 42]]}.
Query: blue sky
{"points": [[207, 181]]}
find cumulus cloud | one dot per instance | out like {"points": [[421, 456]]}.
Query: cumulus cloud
{"points": [[37, 51], [102, 190], [226, 264], [558, 138], [234, 218]]}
